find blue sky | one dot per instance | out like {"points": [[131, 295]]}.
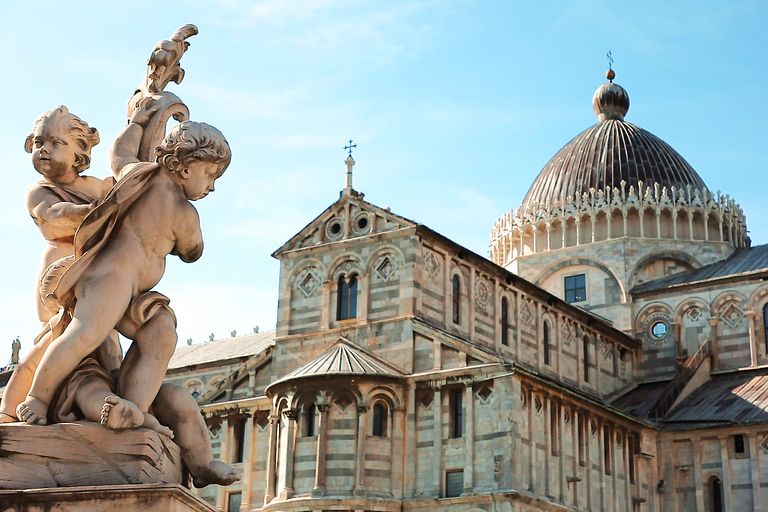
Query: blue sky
{"points": [[455, 107]]}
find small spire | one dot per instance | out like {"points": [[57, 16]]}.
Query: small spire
{"points": [[350, 162]]}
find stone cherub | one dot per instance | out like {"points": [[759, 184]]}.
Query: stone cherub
{"points": [[120, 251], [60, 144]]}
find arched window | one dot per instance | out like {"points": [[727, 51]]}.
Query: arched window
{"points": [[585, 350], [504, 321], [346, 307], [379, 420], [715, 494], [311, 412], [456, 300], [545, 336], [765, 326]]}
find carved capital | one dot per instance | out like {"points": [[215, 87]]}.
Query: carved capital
{"points": [[291, 414]]}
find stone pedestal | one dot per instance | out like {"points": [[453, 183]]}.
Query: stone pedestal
{"points": [[84, 454], [112, 498]]}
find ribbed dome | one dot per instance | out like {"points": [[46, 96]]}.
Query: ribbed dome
{"points": [[608, 153]]}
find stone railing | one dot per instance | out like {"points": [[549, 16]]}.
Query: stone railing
{"points": [[646, 212]]}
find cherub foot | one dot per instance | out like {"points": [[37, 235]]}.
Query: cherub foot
{"points": [[33, 411], [216, 472], [7, 418], [120, 414]]}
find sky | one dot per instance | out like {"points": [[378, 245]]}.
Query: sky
{"points": [[455, 107]]}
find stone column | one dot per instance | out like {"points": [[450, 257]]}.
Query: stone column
{"points": [[409, 472], [532, 466], [624, 220], [677, 331], [225, 456], [601, 441], [322, 446], [706, 226], [713, 340], [563, 225], [578, 230], [326, 309], [359, 489], [248, 463], [690, 224], [437, 427], [592, 220], [641, 216], [697, 476], [658, 223], [609, 220], [269, 493], [726, 480], [753, 346], [754, 457], [674, 224], [575, 417], [469, 436], [549, 236], [364, 293], [588, 458], [290, 447]]}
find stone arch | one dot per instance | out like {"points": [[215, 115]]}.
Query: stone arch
{"points": [[385, 394], [643, 262], [758, 298], [305, 264], [688, 304], [649, 316], [570, 262], [397, 257], [725, 298], [346, 263], [341, 391]]}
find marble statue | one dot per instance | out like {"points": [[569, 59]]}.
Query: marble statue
{"points": [[109, 240]]}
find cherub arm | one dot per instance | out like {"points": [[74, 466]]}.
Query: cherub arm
{"points": [[189, 238], [47, 208], [125, 150]]}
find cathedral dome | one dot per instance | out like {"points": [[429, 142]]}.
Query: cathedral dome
{"points": [[608, 153]]}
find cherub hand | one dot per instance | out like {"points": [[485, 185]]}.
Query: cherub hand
{"points": [[145, 109]]}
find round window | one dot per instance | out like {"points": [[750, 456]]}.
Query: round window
{"points": [[659, 330]]}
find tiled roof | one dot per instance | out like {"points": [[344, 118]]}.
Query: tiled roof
{"points": [[222, 350], [732, 399], [640, 400], [743, 262], [342, 359]]}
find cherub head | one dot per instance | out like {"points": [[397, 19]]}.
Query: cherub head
{"points": [[198, 152], [61, 144]]}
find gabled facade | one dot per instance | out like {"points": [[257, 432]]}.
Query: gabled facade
{"points": [[612, 355]]}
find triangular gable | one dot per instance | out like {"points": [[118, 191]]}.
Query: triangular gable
{"points": [[331, 225]]}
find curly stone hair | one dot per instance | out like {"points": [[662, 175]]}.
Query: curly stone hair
{"points": [[192, 141], [85, 136]]}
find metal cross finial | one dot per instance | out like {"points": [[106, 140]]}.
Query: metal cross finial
{"points": [[610, 59], [350, 147]]}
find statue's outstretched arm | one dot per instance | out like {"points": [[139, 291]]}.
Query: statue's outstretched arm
{"points": [[125, 150]]}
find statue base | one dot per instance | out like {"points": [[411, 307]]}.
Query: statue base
{"points": [[84, 454], [121, 498]]}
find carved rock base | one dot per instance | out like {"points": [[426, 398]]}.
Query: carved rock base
{"points": [[120, 498], [84, 453]]}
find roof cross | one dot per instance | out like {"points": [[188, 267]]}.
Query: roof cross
{"points": [[350, 147], [610, 61]]}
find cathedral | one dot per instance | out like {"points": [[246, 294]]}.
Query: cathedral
{"points": [[609, 355]]}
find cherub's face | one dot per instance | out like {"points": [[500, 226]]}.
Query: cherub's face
{"points": [[54, 152], [198, 179]]}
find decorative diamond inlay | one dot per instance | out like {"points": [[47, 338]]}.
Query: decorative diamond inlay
{"points": [[526, 315], [432, 265], [694, 313], [732, 315], [385, 268], [308, 283]]}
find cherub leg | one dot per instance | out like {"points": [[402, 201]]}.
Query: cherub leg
{"points": [[176, 408], [96, 314], [146, 362], [99, 404], [21, 380]]}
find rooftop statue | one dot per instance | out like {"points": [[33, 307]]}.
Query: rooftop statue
{"points": [[108, 243]]}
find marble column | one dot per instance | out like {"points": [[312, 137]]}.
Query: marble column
{"points": [[753, 345], [269, 493], [290, 447], [469, 435], [359, 489], [322, 445]]}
